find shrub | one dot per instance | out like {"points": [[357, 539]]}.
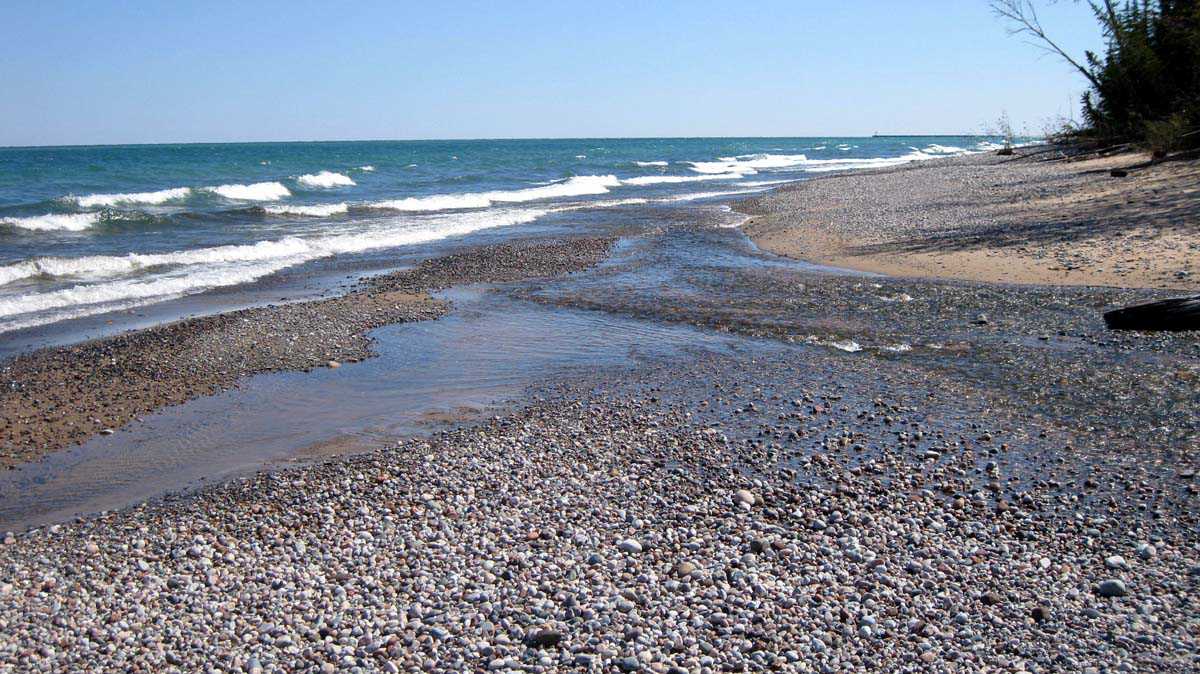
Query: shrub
{"points": [[1146, 86]]}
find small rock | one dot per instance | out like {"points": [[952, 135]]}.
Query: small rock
{"points": [[684, 569], [744, 496], [1112, 587], [1040, 613], [544, 638], [630, 546], [629, 664]]}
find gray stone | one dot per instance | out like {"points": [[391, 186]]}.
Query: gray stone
{"points": [[1113, 587]]}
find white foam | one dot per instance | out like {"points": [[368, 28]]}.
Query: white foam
{"points": [[70, 222], [934, 148], [709, 195], [610, 203], [825, 165], [748, 164], [325, 180], [581, 156], [657, 162], [18, 271], [152, 198], [192, 271], [368, 168], [847, 345], [988, 146], [77, 298], [95, 267], [317, 211], [734, 224], [761, 183], [571, 187], [436, 202], [665, 180], [269, 191]]}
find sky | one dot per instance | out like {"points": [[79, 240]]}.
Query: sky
{"points": [[102, 72]]}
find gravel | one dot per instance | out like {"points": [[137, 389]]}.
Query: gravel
{"points": [[595, 530], [57, 397], [787, 504]]}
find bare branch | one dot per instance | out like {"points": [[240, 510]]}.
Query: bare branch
{"points": [[1022, 18]]}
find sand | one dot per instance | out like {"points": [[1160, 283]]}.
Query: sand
{"points": [[997, 219]]}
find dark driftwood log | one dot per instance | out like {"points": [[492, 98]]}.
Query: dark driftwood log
{"points": [[1180, 313]]}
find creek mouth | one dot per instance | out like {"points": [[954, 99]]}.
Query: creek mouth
{"points": [[683, 292], [486, 355]]}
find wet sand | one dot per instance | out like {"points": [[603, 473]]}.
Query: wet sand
{"points": [[874, 473], [997, 219]]}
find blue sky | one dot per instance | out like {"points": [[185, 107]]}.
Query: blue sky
{"points": [[182, 71]]}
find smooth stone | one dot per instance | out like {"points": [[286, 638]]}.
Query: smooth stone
{"points": [[544, 638], [630, 546], [629, 664], [1112, 587], [684, 569]]}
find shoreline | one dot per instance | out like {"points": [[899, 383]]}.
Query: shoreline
{"points": [[883, 473], [994, 219], [61, 396]]}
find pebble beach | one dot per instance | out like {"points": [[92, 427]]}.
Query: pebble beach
{"points": [[883, 472]]}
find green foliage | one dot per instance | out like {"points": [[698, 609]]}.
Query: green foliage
{"points": [[1146, 86], [1167, 135]]}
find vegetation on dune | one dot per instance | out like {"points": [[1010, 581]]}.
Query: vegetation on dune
{"points": [[1145, 87]]}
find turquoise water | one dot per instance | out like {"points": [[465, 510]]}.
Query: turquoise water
{"points": [[90, 230]]}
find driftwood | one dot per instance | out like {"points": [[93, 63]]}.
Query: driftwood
{"points": [[1180, 313]]}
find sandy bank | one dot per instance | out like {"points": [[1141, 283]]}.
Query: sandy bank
{"points": [[995, 219]]}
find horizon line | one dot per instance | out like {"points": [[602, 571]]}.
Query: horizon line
{"points": [[482, 139]]}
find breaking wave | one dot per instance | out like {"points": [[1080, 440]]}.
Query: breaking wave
{"points": [[666, 180], [72, 222], [572, 187], [325, 180], [269, 191], [748, 164], [150, 198], [709, 195], [761, 183], [317, 211], [185, 272]]}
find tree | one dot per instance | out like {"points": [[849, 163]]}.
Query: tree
{"points": [[1146, 85]]}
